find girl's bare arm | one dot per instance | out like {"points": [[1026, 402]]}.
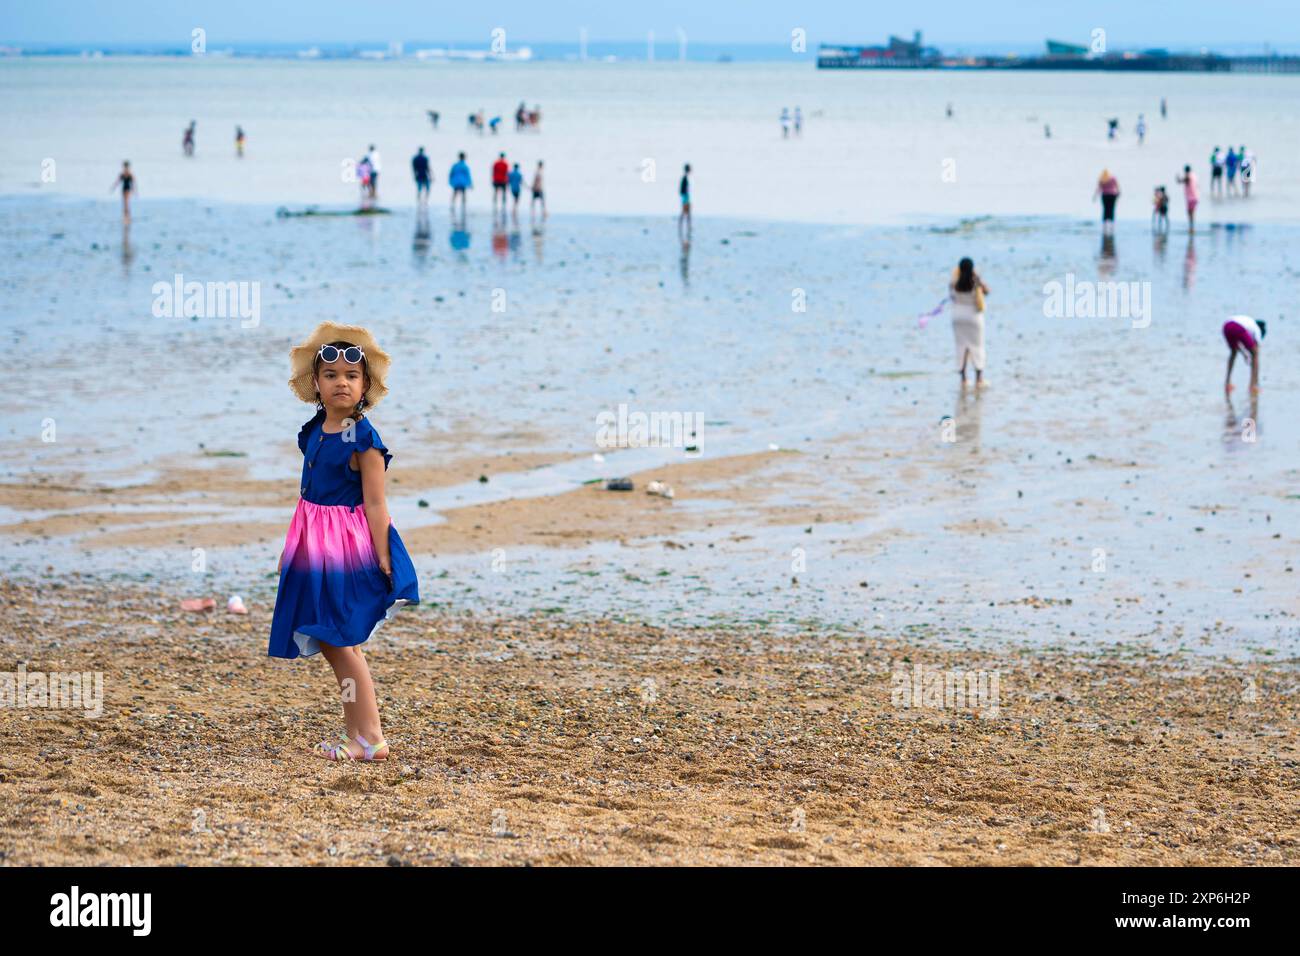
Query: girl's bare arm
{"points": [[375, 504]]}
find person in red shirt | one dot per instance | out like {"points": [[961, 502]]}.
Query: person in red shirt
{"points": [[500, 178]]}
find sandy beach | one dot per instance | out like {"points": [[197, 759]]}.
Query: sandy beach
{"points": [[542, 741]]}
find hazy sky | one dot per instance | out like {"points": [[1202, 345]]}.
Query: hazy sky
{"points": [[1128, 23]]}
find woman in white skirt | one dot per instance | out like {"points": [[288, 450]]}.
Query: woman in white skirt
{"points": [[967, 291]]}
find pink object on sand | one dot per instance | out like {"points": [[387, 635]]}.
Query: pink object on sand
{"points": [[198, 604]]}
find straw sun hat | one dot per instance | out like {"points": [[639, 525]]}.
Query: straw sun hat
{"points": [[303, 356]]}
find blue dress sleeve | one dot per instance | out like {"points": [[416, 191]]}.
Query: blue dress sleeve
{"points": [[304, 433], [368, 437]]}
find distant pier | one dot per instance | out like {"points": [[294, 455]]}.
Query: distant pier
{"points": [[903, 54]]}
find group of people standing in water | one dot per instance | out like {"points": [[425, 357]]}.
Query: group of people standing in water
{"points": [[368, 170], [525, 119], [1237, 165], [1241, 161], [505, 178]]}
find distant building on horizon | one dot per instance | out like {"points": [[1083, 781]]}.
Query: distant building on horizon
{"points": [[1057, 48], [899, 54]]}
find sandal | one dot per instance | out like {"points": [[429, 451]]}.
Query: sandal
{"points": [[370, 749], [336, 751]]}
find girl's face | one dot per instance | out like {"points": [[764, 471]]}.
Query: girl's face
{"points": [[340, 385]]}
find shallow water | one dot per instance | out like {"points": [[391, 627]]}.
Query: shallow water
{"points": [[1095, 434], [877, 146]]}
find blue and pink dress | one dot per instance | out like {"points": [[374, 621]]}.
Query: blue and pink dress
{"points": [[331, 588]]}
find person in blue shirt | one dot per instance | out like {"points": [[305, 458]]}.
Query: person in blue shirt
{"points": [[1230, 163], [460, 180], [516, 181]]}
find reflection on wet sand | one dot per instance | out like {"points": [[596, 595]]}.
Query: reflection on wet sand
{"points": [[370, 226], [1189, 264], [967, 416], [423, 239], [686, 263], [128, 253], [500, 241], [1241, 433], [1106, 261], [1159, 246], [459, 237], [1231, 231], [539, 234]]}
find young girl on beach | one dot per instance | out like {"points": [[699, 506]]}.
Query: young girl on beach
{"points": [[967, 291], [1243, 334], [344, 570]]}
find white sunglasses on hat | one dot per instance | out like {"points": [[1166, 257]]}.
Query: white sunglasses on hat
{"points": [[330, 353]]}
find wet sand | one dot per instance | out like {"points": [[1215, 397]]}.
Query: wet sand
{"points": [[1102, 474], [617, 743], [584, 514]]}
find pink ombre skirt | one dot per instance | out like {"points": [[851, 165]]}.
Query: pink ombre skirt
{"points": [[331, 588]]}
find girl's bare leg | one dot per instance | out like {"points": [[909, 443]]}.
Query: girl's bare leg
{"points": [[360, 709], [1227, 380]]}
